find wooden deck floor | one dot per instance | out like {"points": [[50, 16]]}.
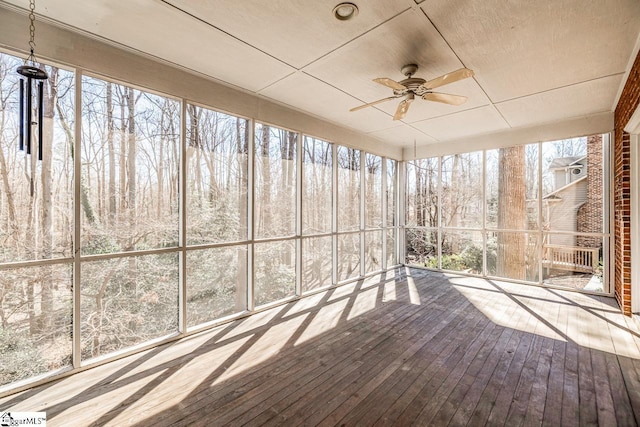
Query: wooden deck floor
{"points": [[410, 347]]}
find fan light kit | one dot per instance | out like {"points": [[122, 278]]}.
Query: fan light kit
{"points": [[345, 11], [411, 87]]}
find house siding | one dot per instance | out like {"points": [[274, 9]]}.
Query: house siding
{"points": [[563, 213], [629, 101]]}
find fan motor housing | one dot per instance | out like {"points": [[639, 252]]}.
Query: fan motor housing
{"points": [[413, 84]]}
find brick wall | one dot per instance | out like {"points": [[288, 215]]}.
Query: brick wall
{"points": [[590, 213], [629, 101]]}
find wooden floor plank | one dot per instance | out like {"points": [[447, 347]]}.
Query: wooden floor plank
{"points": [[352, 390], [259, 391], [462, 403], [505, 396], [277, 409], [369, 411], [414, 382], [489, 395], [436, 392], [621, 397], [520, 400], [552, 415], [285, 407], [447, 350], [588, 408], [547, 324], [602, 386], [571, 393], [426, 355]]}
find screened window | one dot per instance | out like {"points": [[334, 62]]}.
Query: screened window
{"points": [[317, 186], [348, 189], [129, 199], [461, 180], [317, 263], [391, 192], [275, 271], [36, 197], [373, 191], [422, 192], [36, 223], [130, 165], [217, 181], [127, 301], [275, 181], [169, 222], [348, 256], [512, 187], [216, 283], [543, 210]]}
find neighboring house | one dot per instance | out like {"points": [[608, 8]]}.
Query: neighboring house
{"points": [[561, 206], [567, 170], [575, 205], [576, 202]]}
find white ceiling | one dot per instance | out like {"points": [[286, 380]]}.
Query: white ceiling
{"points": [[535, 61]]}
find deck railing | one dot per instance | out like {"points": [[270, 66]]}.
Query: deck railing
{"points": [[572, 258]]}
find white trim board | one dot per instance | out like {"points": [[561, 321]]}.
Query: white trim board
{"points": [[580, 126]]}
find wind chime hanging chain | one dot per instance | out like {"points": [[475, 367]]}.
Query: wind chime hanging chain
{"points": [[32, 73], [32, 30]]}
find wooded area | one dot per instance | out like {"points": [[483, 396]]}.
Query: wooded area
{"points": [[36, 223], [131, 247]]}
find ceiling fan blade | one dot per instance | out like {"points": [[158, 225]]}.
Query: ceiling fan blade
{"points": [[390, 83], [403, 107], [445, 98], [451, 77], [360, 107]]}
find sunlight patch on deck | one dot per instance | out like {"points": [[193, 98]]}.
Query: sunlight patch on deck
{"points": [[414, 295]]}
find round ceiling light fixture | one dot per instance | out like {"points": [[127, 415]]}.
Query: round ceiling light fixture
{"points": [[345, 11]]}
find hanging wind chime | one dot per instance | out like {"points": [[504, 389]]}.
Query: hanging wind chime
{"points": [[33, 75]]}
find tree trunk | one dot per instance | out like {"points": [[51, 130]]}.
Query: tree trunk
{"points": [[85, 201], [243, 155], [512, 213], [123, 150], [131, 175], [112, 156], [419, 201], [131, 157], [165, 113], [11, 209], [265, 196]]}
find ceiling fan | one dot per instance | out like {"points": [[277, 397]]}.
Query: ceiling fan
{"points": [[411, 87]]}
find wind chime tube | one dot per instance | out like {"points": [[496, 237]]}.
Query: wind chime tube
{"points": [[21, 115], [40, 117], [29, 115]]}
